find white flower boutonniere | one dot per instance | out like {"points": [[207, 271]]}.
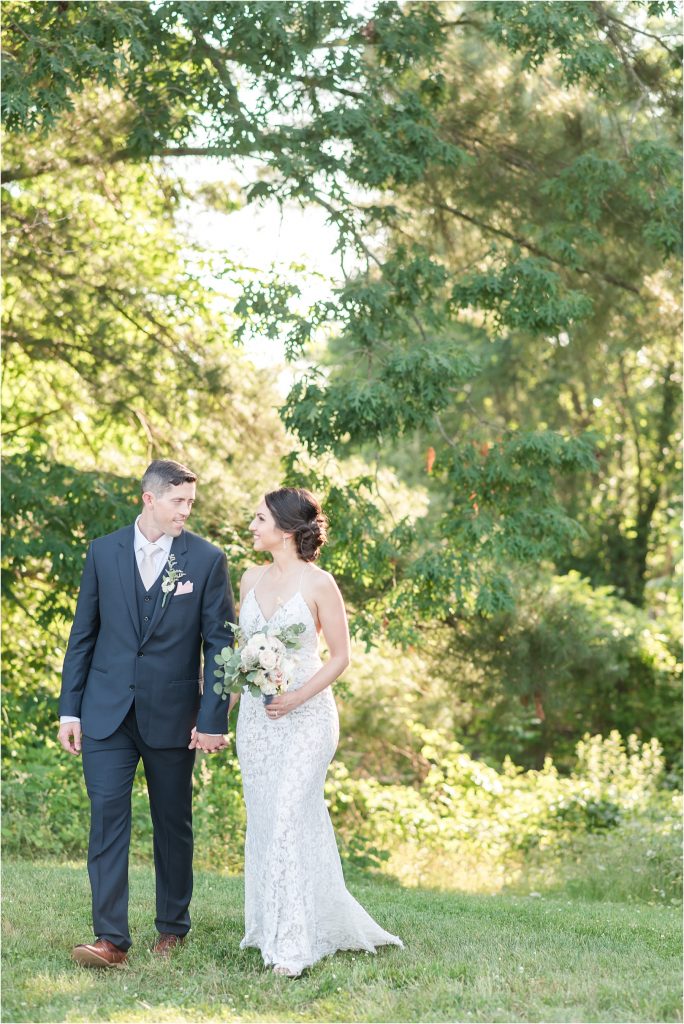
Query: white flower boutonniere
{"points": [[169, 580]]}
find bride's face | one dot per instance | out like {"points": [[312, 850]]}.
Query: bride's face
{"points": [[265, 533]]}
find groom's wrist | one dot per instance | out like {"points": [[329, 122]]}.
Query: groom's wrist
{"points": [[63, 719]]}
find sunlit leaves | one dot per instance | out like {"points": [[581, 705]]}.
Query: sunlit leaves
{"points": [[404, 393], [284, 82], [596, 189], [523, 293], [571, 31]]}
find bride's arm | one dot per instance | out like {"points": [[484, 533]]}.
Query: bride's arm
{"points": [[333, 620]]}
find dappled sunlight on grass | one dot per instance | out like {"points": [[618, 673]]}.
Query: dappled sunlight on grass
{"points": [[71, 979], [144, 1011], [467, 872], [45, 986]]}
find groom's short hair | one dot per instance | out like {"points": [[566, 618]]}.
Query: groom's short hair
{"points": [[164, 473]]}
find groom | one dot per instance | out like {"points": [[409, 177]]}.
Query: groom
{"points": [[152, 597]]}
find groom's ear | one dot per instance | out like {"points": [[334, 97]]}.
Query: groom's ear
{"points": [[148, 498]]}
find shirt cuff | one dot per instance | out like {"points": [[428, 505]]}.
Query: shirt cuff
{"points": [[67, 718]]}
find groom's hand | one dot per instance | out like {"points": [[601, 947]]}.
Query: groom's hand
{"points": [[69, 736], [206, 742]]}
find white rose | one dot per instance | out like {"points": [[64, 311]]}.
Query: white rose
{"points": [[248, 660], [268, 659], [260, 679], [269, 686], [255, 645]]}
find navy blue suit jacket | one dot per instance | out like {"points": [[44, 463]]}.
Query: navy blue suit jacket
{"points": [[108, 663]]}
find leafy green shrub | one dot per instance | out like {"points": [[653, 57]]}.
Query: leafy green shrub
{"points": [[465, 825], [46, 812], [45, 807], [569, 658], [219, 816], [640, 860], [465, 811]]}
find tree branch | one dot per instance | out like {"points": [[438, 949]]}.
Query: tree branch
{"points": [[642, 32], [531, 247]]}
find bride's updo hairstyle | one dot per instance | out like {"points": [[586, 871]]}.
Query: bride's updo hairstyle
{"points": [[296, 511]]}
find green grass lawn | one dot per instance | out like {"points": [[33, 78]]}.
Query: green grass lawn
{"points": [[467, 957]]}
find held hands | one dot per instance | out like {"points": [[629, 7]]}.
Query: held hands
{"points": [[283, 704], [205, 742], [69, 735]]}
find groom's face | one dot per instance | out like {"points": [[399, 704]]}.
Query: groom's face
{"points": [[169, 511]]}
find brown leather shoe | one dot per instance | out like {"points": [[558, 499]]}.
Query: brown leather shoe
{"points": [[166, 943], [102, 953]]}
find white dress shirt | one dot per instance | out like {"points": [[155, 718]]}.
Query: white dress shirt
{"points": [[161, 557], [164, 544]]}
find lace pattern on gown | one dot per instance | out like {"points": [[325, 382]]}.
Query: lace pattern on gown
{"points": [[297, 907]]}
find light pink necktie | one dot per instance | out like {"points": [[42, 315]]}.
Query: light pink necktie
{"points": [[148, 567]]}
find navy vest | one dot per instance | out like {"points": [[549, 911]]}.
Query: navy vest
{"points": [[146, 599]]}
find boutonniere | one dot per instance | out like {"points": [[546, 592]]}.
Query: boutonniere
{"points": [[170, 579]]}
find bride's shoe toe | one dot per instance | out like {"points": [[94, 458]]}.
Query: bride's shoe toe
{"points": [[286, 972]]}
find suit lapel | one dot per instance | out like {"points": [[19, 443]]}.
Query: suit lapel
{"points": [[126, 563], [179, 548]]}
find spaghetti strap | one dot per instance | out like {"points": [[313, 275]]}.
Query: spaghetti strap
{"points": [[299, 585], [261, 575]]}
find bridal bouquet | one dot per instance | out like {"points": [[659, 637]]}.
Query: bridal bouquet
{"points": [[260, 663]]}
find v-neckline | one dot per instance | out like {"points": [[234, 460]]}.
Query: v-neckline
{"points": [[277, 609], [280, 607]]}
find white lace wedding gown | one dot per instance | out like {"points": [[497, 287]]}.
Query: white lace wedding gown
{"points": [[297, 907]]}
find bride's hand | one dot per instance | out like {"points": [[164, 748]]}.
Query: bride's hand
{"points": [[282, 705]]}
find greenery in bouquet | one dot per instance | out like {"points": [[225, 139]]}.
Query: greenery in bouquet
{"points": [[261, 663]]}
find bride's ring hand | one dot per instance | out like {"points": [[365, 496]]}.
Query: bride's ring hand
{"points": [[282, 705]]}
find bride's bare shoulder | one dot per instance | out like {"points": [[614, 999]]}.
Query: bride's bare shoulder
{"points": [[319, 580]]}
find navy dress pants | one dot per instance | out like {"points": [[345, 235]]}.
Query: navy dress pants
{"points": [[109, 768]]}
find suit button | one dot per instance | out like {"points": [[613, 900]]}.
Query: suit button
{"points": [[131, 687], [147, 618], [140, 654], [148, 598]]}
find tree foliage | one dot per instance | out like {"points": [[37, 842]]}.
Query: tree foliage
{"points": [[308, 88], [504, 182]]}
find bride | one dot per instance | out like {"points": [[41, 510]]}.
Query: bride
{"points": [[297, 907]]}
